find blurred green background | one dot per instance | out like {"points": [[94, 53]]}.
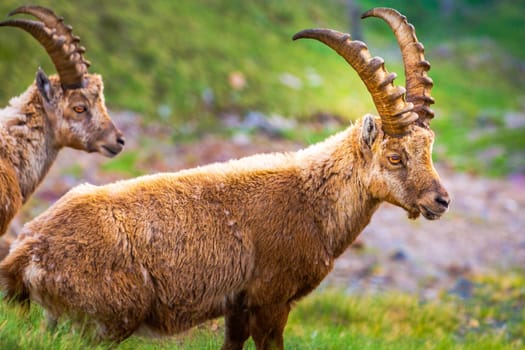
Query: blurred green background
{"points": [[187, 63]]}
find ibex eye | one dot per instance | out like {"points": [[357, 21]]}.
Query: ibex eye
{"points": [[79, 109], [394, 159]]}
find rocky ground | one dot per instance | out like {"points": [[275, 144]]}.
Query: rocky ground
{"points": [[484, 231]]}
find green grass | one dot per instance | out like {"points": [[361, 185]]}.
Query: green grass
{"points": [[493, 318], [125, 164], [171, 61]]}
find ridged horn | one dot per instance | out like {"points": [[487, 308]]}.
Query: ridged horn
{"points": [[395, 113], [57, 38], [418, 83]]}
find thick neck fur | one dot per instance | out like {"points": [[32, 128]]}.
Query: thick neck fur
{"points": [[334, 173], [27, 140]]}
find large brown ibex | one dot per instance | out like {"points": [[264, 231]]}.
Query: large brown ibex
{"points": [[243, 239], [67, 110]]}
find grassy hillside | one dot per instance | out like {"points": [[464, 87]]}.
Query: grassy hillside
{"points": [[185, 62], [492, 319]]}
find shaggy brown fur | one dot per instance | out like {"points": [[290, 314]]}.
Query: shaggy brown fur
{"points": [[244, 239], [37, 124]]}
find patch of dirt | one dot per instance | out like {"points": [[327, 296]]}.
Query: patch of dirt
{"points": [[482, 233]]}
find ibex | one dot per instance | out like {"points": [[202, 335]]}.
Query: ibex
{"points": [[67, 110], [243, 239]]}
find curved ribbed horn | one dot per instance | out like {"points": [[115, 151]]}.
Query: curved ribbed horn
{"points": [[418, 83], [57, 38], [395, 113]]}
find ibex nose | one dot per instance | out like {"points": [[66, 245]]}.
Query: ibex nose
{"points": [[443, 200], [120, 137], [121, 140]]}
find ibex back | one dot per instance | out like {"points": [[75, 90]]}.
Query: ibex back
{"points": [[66, 110], [243, 239]]}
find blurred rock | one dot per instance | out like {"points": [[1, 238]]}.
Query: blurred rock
{"points": [[456, 270], [514, 120], [231, 119], [257, 120], [399, 255], [241, 139], [291, 81], [208, 97], [164, 111], [313, 78], [272, 126], [463, 288], [490, 153]]}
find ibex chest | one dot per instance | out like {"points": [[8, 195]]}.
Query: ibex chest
{"points": [[32, 165]]}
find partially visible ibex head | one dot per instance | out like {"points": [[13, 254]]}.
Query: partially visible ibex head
{"points": [[398, 144], [73, 101]]}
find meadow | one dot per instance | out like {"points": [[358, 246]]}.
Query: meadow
{"points": [[492, 318]]}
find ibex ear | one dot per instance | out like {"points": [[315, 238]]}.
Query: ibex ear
{"points": [[369, 130], [44, 86]]}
